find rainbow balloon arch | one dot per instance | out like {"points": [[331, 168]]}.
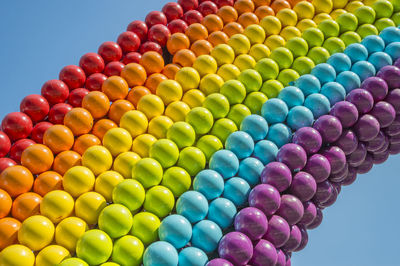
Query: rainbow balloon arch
{"points": [[214, 133]]}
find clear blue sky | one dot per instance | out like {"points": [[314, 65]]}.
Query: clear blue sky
{"points": [[40, 37]]}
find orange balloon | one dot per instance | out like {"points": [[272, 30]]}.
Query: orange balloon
{"points": [[213, 23], [294, 2], [152, 62], [218, 37], [196, 31], [259, 3], [115, 88], [86, 141], [176, 42], [16, 180], [243, 6], [184, 58], [79, 120], [153, 80], [136, 93], [101, 127], [227, 14], [97, 103], [9, 228], [26, 205], [119, 108], [65, 160], [58, 138], [134, 74], [201, 47], [233, 28], [46, 182], [170, 71], [247, 19], [279, 4], [5, 203], [38, 158], [264, 11]]}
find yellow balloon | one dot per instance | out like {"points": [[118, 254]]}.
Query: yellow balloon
{"points": [[135, 122], [117, 140], [98, 159], [141, 144], [89, 205], [52, 255], [322, 6], [159, 126], [124, 162], [78, 180], [57, 205], [36, 232], [178, 110], [151, 105], [194, 98], [68, 231], [17, 255], [106, 182]]}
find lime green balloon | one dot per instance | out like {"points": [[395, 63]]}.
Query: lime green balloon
{"points": [[228, 72], [238, 112], [254, 101], [192, 159], [148, 172], [234, 91], [396, 18], [218, 105], [396, 5], [73, 262], [259, 51], [182, 134], [298, 46], [124, 163], [177, 180], [223, 54], [211, 83], [251, 79], [283, 57], [165, 152], [329, 28], [244, 61], [94, 247], [110, 264], [159, 200], [268, 68], [383, 23], [239, 43], [318, 55], [350, 37], [128, 250], [115, 220], [347, 22], [209, 144], [223, 128], [288, 75], [334, 45], [271, 88], [200, 119], [383, 9], [314, 37], [366, 30], [129, 193], [145, 227], [365, 15], [303, 65], [205, 64], [255, 33]]}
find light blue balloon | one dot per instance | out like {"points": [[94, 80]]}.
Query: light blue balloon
{"points": [[280, 134], [308, 84], [206, 235], [292, 96], [265, 151], [349, 80], [250, 170], [340, 62], [356, 52], [390, 35], [380, 59], [237, 190], [240, 143], [373, 43], [324, 73], [300, 116], [192, 256], [334, 91], [256, 126], [222, 211], [176, 230], [193, 206], [274, 111], [393, 50], [318, 104], [363, 69], [160, 253], [225, 163], [209, 183]]}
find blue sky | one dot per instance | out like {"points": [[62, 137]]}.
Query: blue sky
{"points": [[40, 37]]}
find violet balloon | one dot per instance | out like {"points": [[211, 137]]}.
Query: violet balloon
{"points": [[358, 156], [278, 175], [367, 127], [236, 247], [341, 175], [293, 155], [346, 112], [278, 231], [329, 127], [347, 141], [336, 158], [281, 261], [393, 98], [324, 191], [366, 165], [310, 212], [291, 209], [351, 176], [391, 74], [384, 112], [394, 128], [219, 262], [252, 222], [376, 143], [264, 254], [294, 239], [319, 167], [265, 198], [317, 221], [377, 87], [303, 186], [379, 158], [304, 239], [362, 99], [308, 138]]}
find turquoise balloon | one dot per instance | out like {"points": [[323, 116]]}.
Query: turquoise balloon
{"points": [[193, 206], [265, 151], [225, 162], [222, 211], [274, 111], [356, 52], [206, 235], [324, 72], [256, 126], [240, 143], [363, 69], [250, 170], [373, 43], [292, 96], [308, 84], [340, 62], [379, 60], [209, 183], [176, 230], [280, 134], [192, 256], [393, 50], [300, 116], [160, 253], [237, 190], [349, 80], [318, 104], [334, 91]]}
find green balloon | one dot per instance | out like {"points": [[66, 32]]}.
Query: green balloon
{"points": [[209, 144], [165, 152], [334, 45], [267, 68], [298, 46], [314, 37], [201, 119], [238, 112], [218, 105], [145, 227], [365, 15], [318, 55], [254, 101], [350, 37], [251, 79], [159, 200], [288, 75], [115, 220], [223, 128], [177, 180], [148, 172], [383, 23], [283, 57], [129, 193], [192, 159], [128, 250], [330, 28], [94, 247], [303, 65], [234, 91], [347, 22], [366, 30]]}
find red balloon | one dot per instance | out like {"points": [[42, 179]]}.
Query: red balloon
{"points": [[73, 76], [18, 147], [17, 125], [55, 91], [76, 96], [150, 46], [159, 34], [207, 8], [139, 28], [5, 144], [35, 106], [39, 129], [113, 68], [110, 51], [221, 3], [188, 4], [132, 57], [95, 81], [172, 11], [5, 163], [192, 16], [58, 111], [128, 41], [91, 63], [177, 25], [154, 18]]}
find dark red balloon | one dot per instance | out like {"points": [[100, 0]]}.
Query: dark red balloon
{"points": [[159, 34], [128, 41], [154, 18], [17, 125], [132, 57], [172, 11], [177, 25], [150, 46], [55, 91], [18, 147], [35, 106], [110, 51], [5, 144], [73, 76], [139, 28], [76, 96], [6, 162], [192, 16], [58, 111], [91, 63], [113, 68], [207, 8], [38, 131], [95, 81], [188, 4], [221, 3]]}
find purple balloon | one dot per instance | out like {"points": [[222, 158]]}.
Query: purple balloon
{"points": [[367, 127], [393, 98], [331, 200], [358, 156], [317, 221], [308, 138], [336, 158], [265, 198], [294, 239], [310, 212], [397, 63], [329, 127], [304, 238], [219, 262], [303, 186], [381, 157], [236, 247], [351, 177], [291, 209], [277, 174], [252, 222], [340, 176], [377, 87], [394, 139], [264, 254], [281, 261], [376, 143], [391, 74], [384, 112], [394, 128], [385, 145], [362, 99], [278, 231], [324, 191], [293, 155], [347, 141], [394, 148], [319, 167], [366, 165], [346, 112]]}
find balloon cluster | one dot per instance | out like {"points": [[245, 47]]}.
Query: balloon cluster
{"points": [[174, 121]]}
